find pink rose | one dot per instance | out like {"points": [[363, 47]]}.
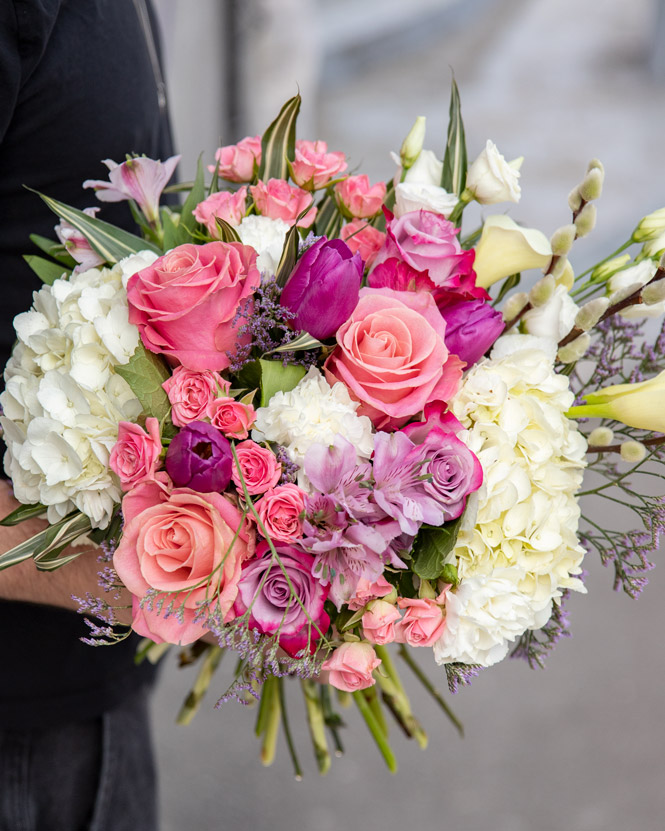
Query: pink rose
{"points": [[379, 622], [232, 417], [185, 304], [223, 205], [238, 162], [135, 455], [281, 510], [364, 239], [190, 393], [185, 546], [366, 591], [359, 198], [313, 166], [392, 357], [423, 623], [277, 199], [427, 242], [259, 467], [350, 667]]}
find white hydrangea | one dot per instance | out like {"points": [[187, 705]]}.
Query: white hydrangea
{"points": [[63, 400], [313, 412], [266, 236], [525, 513]]}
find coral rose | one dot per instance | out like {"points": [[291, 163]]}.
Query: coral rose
{"points": [[277, 199], [350, 667], [423, 623], [281, 511], [191, 392], [135, 455], [259, 467]]}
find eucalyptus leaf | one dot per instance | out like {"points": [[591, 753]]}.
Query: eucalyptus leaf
{"points": [[47, 271], [453, 176], [275, 377], [278, 145], [432, 546], [145, 373]]}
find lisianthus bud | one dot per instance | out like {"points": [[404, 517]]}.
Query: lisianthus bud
{"points": [[491, 179], [601, 437], [654, 247], [586, 220], [591, 312], [472, 326], [199, 457], [323, 288], [575, 350], [562, 240], [633, 451], [413, 143], [605, 270], [637, 405], [650, 227], [542, 291], [514, 305], [592, 185], [506, 248]]}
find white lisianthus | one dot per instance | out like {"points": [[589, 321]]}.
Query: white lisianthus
{"points": [[492, 179], [313, 412], [266, 236], [625, 282]]}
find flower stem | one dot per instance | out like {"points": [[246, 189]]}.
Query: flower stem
{"points": [[396, 698], [264, 707], [297, 770], [191, 704], [376, 731], [316, 725], [332, 719], [431, 689], [273, 719], [375, 706]]}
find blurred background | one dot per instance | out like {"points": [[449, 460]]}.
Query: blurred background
{"points": [[580, 745]]}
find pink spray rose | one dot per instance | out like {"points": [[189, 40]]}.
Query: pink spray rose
{"points": [[265, 589], [362, 238], [350, 667], [281, 510], [232, 417], [358, 198], [313, 166], [135, 455], [366, 591], [223, 205], [277, 199], [173, 540], [423, 622], [237, 162], [185, 303], [379, 622], [191, 392], [392, 357], [259, 467]]}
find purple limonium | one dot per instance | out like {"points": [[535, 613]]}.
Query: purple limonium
{"points": [[140, 178], [472, 326], [200, 458], [323, 288], [273, 607]]}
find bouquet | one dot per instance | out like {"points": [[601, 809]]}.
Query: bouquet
{"points": [[302, 417]]}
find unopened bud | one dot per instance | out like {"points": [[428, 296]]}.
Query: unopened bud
{"points": [[426, 591], [591, 312], [603, 272], [413, 143], [633, 451], [650, 227], [558, 268], [514, 305], [562, 240], [542, 291], [596, 164], [574, 200], [654, 247], [574, 350], [567, 276], [586, 220], [601, 437], [391, 597], [592, 185], [654, 293]]}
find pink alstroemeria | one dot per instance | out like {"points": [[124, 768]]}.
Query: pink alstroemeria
{"points": [[77, 245], [141, 179]]}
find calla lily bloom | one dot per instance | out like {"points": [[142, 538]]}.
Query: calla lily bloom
{"points": [[640, 405], [505, 248]]}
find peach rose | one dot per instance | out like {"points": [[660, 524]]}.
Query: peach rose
{"points": [[184, 546], [350, 667], [366, 591], [392, 357], [237, 162], [277, 199], [185, 303], [423, 622], [190, 393], [379, 622], [313, 166], [259, 467], [362, 238], [232, 417], [281, 510], [223, 205], [359, 198], [135, 455]]}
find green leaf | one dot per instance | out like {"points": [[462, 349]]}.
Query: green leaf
{"points": [[289, 256], [275, 377], [54, 249], [47, 271], [328, 218], [22, 513], [197, 194], [508, 284], [145, 373], [22, 551], [453, 177], [108, 241], [170, 229], [227, 232], [278, 145], [303, 342], [60, 535], [432, 546]]}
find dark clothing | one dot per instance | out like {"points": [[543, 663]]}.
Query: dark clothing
{"points": [[77, 85]]}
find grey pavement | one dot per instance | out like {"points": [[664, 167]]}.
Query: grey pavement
{"points": [[581, 745]]}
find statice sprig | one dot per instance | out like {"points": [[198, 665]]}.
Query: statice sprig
{"points": [[535, 646]]}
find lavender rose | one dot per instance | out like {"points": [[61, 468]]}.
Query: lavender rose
{"points": [[472, 326], [264, 589], [199, 457], [454, 472]]}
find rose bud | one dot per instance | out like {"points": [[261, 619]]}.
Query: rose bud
{"points": [[199, 457], [472, 326], [323, 288]]}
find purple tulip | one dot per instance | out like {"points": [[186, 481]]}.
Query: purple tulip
{"points": [[199, 457], [323, 288], [472, 326]]}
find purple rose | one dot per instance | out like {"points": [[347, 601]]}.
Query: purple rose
{"points": [[454, 472], [264, 589], [199, 457], [323, 288], [472, 326]]}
